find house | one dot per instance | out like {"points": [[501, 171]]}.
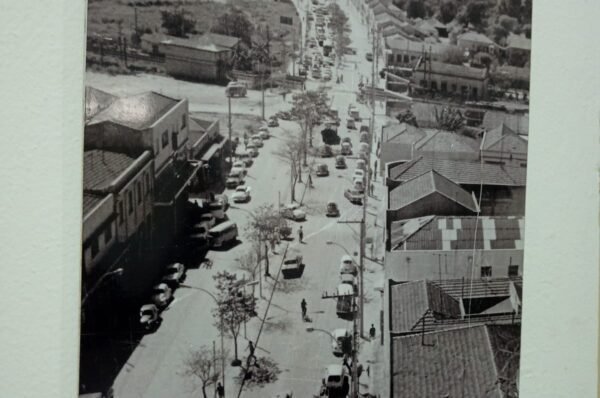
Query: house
{"points": [[118, 194], [429, 193], [518, 50], [504, 146], [204, 58], [517, 122], [475, 42], [473, 361], [465, 81], [406, 53], [500, 186], [450, 247]]}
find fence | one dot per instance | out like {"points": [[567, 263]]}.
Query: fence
{"points": [[119, 49]]}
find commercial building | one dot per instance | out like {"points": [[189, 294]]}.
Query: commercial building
{"points": [[406, 53], [459, 80]]}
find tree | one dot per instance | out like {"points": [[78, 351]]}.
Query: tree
{"points": [[476, 13], [235, 23], [235, 307], [308, 108], [449, 119], [448, 11], [416, 9], [291, 151], [199, 363], [340, 27], [511, 7], [177, 22], [262, 371], [262, 225], [407, 117]]}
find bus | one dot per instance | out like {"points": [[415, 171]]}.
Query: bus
{"points": [[223, 234]]}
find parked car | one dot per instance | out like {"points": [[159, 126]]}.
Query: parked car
{"points": [[239, 166], [347, 266], [273, 122], [236, 89], [364, 137], [363, 148], [336, 377], [361, 164], [223, 234], [264, 133], [149, 317], [347, 140], [342, 342], [364, 129], [257, 141], [293, 212], [351, 280], [162, 295], [369, 57], [322, 170], [358, 185], [245, 157], [350, 124], [345, 297], [325, 151], [346, 148], [207, 219], [358, 173], [353, 196], [340, 162], [332, 210], [252, 150], [241, 194], [234, 179], [174, 274], [292, 267]]}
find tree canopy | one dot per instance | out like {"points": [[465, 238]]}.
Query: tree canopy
{"points": [[177, 22], [234, 23]]}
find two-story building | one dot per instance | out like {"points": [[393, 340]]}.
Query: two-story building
{"points": [[518, 50], [459, 80], [475, 42], [406, 53]]}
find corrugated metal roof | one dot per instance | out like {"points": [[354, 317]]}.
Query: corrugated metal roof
{"points": [[462, 171], [470, 362], [101, 168], [518, 123]]}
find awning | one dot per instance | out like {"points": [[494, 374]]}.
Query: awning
{"points": [[214, 148]]}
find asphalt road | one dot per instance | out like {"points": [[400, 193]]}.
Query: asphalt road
{"points": [[155, 369]]}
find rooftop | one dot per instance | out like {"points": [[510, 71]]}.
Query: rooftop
{"points": [[463, 172], [458, 233], [476, 37], [399, 43], [96, 101], [517, 122], [503, 138], [427, 184], [443, 68], [101, 168], [447, 141], [138, 112], [469, 362], [518, 42], [91, 200]]}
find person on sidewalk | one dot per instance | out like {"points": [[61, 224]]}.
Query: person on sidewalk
{"points": [[251, 348], [267, 273], [375, 173], [300, 234], [372, 187], [372, 330], [303, 307], [220, 390]]}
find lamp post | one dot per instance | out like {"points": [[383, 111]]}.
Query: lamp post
{"points": [[118, 271], [229, 123]]}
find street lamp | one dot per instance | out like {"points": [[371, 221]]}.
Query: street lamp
{"points": [[118, 271]]}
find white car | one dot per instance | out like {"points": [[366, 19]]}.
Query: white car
{"points": [[162, 295], [239, 166], [257, 140], [358, 174], [264, 134], [293, 212], [174, 274], [347, 266], [241, 194], [342, 338]]}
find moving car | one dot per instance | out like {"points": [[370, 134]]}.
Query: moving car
{"points": [[346, 148], [292, 267], [332, 210], [293, 212], [345, 301], [340, 162], [336, 377], [273, 122], [162, 295], [236, 89], [350, 124], [342, 342], [353, 196], [325, 151], [223, 234], [241, 194], [322, 170], [347, 266], [174, 274]]}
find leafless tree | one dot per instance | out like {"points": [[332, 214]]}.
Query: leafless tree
{"points": [[200, 363], [291, 151]]}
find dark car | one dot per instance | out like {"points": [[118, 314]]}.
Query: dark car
{"points": [[332, 210], [340, 162], [325, 151], [322, 170]]}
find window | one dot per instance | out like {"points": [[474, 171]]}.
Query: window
{"points": [[524, 164], [121, 218], [95, 248], [486, 272], [165, 138], [434, 86], [174, 140], [130, 201], [108, 234], [513, 271], [183, 121], [139, 192], [444, 87], [454, 88], [406, 58], [412, 57]]}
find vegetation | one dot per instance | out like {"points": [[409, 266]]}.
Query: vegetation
{"points": [[235, 23], [407, 117], [308, 108], [291, 152], [178, 22], [260, 372], [200, 363], [449, 119], [340, 27]]}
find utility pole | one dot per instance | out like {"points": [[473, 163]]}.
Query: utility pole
{"points": [[361, 263], [229, 123]]}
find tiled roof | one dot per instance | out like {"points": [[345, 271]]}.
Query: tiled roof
{"points": [[518, 41], [504, 139], [138, 112], [402, 44], [443, 68], [101, 168], [427, 184], [476, 37], [203, 122], [462, 171], [471, 362], [91, 200], [96, 101], [402, 133], [518, 123], [513, 72], [458, 233], [447, 141]]}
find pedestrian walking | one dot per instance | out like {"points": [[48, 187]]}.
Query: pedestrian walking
{"points": [[372, 188], [372, 330], [251, 348], [375, 167], [220, 390], [300, 234], [267, 273], [310, 183], [272, 242], [303, 307]]}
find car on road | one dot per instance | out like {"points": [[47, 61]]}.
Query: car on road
{"points": [[293, 212], [358, 185], [351, 280], [273, 122], [350, 124], [345, 297], [149, 317], [353, 196], [333, 209], [322, 170], [369, 57], [241, 194], [252, 150], [284, 115], [340, 162], [358, 173], [346, 148], [245, 157], [162, 295], [234, 179], [264, 133], [336, 378], [236, 89], [325, 151], [316, 73], [347, 266], [292, 267], [239, 166], [361, 164], [363, 148], [174, 274], [342, 342], [207, 219], [364, 137], [257, 140], [223, 234]]}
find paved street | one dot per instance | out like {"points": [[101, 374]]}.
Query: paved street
{"points": [[154, 369]]}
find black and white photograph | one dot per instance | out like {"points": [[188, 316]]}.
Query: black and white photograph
{"points": [[304, 198]]}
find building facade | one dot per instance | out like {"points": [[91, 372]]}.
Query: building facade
{"points": [[457, 80]]}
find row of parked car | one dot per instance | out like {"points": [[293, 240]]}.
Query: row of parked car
{"points": [[162, 295]]}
